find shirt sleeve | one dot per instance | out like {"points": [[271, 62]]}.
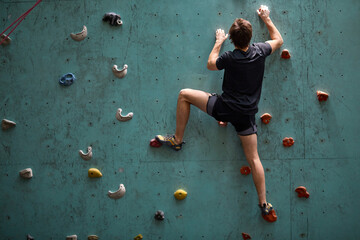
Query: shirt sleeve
{"points": [[265, 48], [222, 61]]}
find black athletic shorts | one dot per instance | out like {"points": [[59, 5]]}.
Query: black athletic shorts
{"points": [[244, 124]]}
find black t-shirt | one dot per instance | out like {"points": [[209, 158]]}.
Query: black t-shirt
{"points": [[244, 72]]}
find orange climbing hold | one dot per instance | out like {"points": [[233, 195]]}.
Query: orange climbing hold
{"points": [[288, 142], [246, 236], [265, 118], [322, 96], [271, 217], [285, 54], [245, 170], [302, 192], [155, 143], [222, 124]]}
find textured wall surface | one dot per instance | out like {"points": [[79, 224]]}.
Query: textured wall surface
{"points": [[166, 45]]}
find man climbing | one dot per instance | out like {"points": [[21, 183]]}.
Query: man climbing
{"points": [[238, 104]]}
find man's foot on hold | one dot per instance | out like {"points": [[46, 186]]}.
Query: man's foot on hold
{"points": [[170, 141], [268, 212]]}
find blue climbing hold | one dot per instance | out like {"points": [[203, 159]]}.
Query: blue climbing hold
{"points": [[67, 79]]}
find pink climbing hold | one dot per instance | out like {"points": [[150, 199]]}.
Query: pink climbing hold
{"points": [[322, 96], [245, 170], [155, 143], [302, 192], [222, 124]]}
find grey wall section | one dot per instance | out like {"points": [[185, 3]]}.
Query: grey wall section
{"points": [[166, 45]]}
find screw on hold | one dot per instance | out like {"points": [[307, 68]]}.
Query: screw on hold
{"points": [[245, 236], [155, 143], [302, 192], [86, 156], [322, 96], [113, 19], [288, 142], [29, 237], [7, 40], [245, 170], [119, 193], [94, 173], [265, 118], [93, 237], [222, 124], [285, 54], [6, 124], [67, 79], [122, 118], [26, 173], [180, 194], [120, 73], [71, 237], [159, 215], [80, 35], [138, 237]]}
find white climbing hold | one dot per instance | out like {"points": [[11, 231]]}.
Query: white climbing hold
{"points": [[86, 156], [121, 118], [26, 173], [80, 35], [6, 124], [120, 73], [119, 193], [72, 237]]}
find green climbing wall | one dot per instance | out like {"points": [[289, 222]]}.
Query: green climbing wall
{"points": [[166, 45]]}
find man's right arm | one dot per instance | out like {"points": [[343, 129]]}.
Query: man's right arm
{"points": [[275, 35]]}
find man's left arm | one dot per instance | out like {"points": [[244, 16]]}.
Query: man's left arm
{"points": [[220, 38]]}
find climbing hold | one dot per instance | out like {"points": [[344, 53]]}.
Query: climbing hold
{"points": [[159, 215], [26, 173], [72, 237], [94, 173], [86, 156], [222, 124], [121, 118], [245, 236], [138, 237], [322, 96], [29, 237], [80, 35], [93, 237], [245, 170], [180, 194], [113, 19], [6, 124], [271, 217], [67, 79], [285, 54], [5, 39], [302, 192], [155, 143], [288, 142], [120, 73], [265, 118], [119, 193]]}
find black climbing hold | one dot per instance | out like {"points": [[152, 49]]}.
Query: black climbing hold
{"points": [[113, 18], [67, 79], [159, 215], [29, 237]]}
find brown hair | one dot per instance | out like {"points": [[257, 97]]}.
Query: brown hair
{"points": [[240, 33]]}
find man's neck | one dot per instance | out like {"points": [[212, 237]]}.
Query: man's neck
{"points": [[242, 49]]}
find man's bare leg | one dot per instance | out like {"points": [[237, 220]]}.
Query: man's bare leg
{"points": [[249, 144], [186, 97]]}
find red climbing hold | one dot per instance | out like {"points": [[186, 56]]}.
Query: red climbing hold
{"points": [[288, 142], [222, 124], [155, 143], [285, 54], [271, 217], [245, 236], [245, 170], [265, 118], [302, 192], [322, 96]]}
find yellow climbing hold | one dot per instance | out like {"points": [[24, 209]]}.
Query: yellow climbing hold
{"points": [[93, 237], [94, 173], [138, 237], [180, 194]]}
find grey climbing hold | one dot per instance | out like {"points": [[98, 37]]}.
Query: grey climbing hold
{"points": [[29, 237], [72, 237], [86, 156], [120, 73], [80, 35], [121, 118], [6, 124], [93, 237], [159, 215], [7, 41], [119, 193], [26, 173]]}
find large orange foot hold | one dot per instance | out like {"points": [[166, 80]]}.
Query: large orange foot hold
{"points": [[322, 96], [245, 170], [285, 54], [245, 236], [271, 217], [222, 124], [302, 192], [288, 142], [265, 118]]}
